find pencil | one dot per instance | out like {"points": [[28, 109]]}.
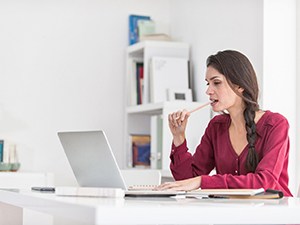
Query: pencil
{"points": [[200, 107], [196, 109]]}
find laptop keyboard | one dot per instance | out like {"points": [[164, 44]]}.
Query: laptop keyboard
{"points": [[146, 187]]}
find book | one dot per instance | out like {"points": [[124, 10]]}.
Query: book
{"points": [[90, 192], [136, 83], [133, 27], [1, 150], [145, 27], [139, 82], [167, 73], [259, 193], [268, 194], [155, 37], [140, 150]]}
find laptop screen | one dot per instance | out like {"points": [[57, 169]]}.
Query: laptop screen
{"points": [[91, 159]]}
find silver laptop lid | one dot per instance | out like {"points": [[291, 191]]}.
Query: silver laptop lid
{"points": [[91, 159]]}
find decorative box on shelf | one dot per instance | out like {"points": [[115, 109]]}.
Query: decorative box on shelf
{"points": [[9, 166]]}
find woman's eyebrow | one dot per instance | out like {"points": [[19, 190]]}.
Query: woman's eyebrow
{"points": [[212, 78]]}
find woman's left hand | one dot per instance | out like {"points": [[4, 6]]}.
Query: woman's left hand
{"points": [[182, 185]]}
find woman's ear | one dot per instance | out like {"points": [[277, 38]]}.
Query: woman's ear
{"points": [[240, 90]]}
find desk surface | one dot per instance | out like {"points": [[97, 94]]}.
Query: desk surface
{"points": [[157, 210]]}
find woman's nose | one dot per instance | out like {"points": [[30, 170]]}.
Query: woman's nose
{"points": [[209, 90]]}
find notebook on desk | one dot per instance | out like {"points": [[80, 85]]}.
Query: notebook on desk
{"points": [[94, 165]]}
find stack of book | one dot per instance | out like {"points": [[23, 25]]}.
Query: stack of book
{"points": [[142, 28]]}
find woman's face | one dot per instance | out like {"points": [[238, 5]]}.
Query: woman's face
{"points": [[220, 93]]}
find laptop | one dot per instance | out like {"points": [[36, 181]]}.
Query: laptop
{"points": [[94, 165]]}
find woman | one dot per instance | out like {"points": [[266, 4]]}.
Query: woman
{"points": [[248, 147]]}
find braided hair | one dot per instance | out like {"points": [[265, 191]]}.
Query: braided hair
{"points": [[238, 70]]}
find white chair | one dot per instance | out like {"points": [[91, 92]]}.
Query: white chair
{"points": [[141, 177]]}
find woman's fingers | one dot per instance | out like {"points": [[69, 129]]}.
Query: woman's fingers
{"points": [[177, 118], [167, 185], [182, 185]]}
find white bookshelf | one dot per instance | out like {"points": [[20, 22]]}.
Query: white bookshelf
{"points": [[143, 52], [139, 118]]}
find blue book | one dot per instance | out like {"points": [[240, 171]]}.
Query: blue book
{"points": [[141, 145], [133, 27]]}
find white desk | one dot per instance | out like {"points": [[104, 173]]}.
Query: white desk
{"points": [[157, 210], [25, 179]]}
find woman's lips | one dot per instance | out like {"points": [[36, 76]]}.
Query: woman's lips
{"points": [[213, 102]]}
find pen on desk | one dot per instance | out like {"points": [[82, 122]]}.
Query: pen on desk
{"points": [[272, 191], [218, 196]]}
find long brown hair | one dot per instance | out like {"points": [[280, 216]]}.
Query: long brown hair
{"points": [[239, 71]]}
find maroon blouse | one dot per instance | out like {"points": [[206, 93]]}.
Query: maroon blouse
{"points": [[215, 151]]}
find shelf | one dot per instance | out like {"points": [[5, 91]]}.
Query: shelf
{"points": [[156, 108], [151, 109], [136, 50]]}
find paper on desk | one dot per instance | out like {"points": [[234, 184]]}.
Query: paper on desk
{"points": [[224, 192]]}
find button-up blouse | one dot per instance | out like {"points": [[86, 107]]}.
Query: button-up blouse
{"points": [[216, 152]]}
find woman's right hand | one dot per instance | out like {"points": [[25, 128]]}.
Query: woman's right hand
{"points": [[177, 124], [181, 185]]}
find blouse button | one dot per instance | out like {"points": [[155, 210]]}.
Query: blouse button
{"points": [[236, 171]]}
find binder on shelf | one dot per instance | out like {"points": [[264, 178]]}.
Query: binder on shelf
{"points": [[139, 82], [132, 84], [136, 83], [167, 73], [156, 142], [129, 162]]}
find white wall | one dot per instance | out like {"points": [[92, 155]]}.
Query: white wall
{"points": [[298, 93], [279, 75], [62, 67], [264, 31], [211, 26]]}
